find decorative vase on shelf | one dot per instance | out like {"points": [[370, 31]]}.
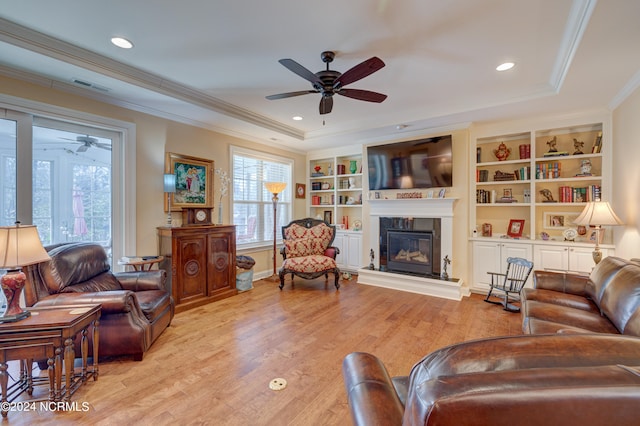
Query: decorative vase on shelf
{"points": [[220, 214], [353, 166]]}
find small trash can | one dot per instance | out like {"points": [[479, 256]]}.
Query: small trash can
{"points": [[244, 273]]}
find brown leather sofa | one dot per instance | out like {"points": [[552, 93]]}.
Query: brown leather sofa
{"points": [[136, 306], [554, 379], [606, 301]]}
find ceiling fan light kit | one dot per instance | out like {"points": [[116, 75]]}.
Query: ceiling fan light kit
{"points": [[329, 82]]}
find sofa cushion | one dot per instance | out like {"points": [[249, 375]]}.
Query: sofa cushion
{"points": [[103, 282], [601, 276], [321, 231], [72, 264], [566, 317], [551, 296], [621, 298], [304, 247], [309, 264]]}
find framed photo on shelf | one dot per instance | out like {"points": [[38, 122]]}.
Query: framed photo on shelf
{"points": [[486, 230], [194, 181], [559, 220], [593, 233], [516, 226], [301, 190], [328, 216]]}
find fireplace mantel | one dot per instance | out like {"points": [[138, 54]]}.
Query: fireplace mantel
{"points": [[419, 208]]}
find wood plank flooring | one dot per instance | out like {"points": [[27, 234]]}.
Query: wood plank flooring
{"points": [[214, 363]]}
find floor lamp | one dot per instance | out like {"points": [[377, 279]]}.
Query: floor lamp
{"points": [[597, 214], [274, 188]]}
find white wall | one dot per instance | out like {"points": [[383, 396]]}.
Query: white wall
{"points": [[626, 175]]}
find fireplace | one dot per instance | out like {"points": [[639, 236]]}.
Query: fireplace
{"points": [[410, 245], [423, 216], [410, 252]]}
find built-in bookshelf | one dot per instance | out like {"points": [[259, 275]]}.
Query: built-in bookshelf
{"points": [[533, 174]]}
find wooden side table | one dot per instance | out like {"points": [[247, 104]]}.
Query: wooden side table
{"points": [[49, 333], [143, 263]]}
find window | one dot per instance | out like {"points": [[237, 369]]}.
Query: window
{"points": [[252, 204], [66, 178]]}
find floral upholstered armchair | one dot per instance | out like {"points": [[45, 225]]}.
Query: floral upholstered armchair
{"points": [[307, 250]]}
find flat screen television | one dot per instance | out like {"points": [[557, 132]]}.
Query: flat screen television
{"points": [[421, 163]]}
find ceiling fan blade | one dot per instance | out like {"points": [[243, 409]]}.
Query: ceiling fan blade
{"points": [[362, 95], [358, 72], [326, 104], [296, 68], [103, 145], [290, 94]]}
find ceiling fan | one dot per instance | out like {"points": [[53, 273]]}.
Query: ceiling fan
{"points": [[88, 142], [329, 82]]}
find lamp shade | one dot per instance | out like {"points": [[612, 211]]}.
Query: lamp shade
{"points": [[20, 246], [275, 187], [169, 182], [598, 213]]}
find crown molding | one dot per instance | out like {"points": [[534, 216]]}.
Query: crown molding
{"points": [[37, 42]]}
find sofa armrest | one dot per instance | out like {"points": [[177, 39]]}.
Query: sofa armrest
{"points": [[142, 280], [372, 396], [116, 301], [564, 282]]}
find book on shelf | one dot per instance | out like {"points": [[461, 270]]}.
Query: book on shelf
{"points": [[568, 194], [555, 154], [597, 144]]}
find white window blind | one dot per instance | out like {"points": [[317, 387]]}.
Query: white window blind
{"points": [[252, 204]]}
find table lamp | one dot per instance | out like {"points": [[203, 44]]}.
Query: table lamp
{"points": [[19, 246], [597, 214], [274, 188], [169, 188]]}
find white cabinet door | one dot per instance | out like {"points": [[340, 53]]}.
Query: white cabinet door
{"points": [[491, 256], [350, 245], [565, 258], [354, 261], [486, 258], [551, 257]]}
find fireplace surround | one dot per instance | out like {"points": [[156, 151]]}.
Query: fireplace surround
{"points": [[427, 215]]}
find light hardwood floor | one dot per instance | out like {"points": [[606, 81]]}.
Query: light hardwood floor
{"points": [[214, 363]]}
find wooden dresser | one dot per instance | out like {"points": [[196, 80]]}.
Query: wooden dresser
{"points": [[200, 261]]}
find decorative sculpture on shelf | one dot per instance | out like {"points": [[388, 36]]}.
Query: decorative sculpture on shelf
{"points": [[371, 265], [548, 196], [552, 144], [446, 261], [577, 145], [502, 153]]}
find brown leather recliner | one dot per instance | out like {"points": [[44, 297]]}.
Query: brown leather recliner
{"points": [[136, 306], [544, 379]]}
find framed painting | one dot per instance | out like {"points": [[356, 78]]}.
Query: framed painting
{"points": [[301, 190], [194, 181]]}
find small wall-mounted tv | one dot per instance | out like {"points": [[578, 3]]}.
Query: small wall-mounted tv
{"points": [[421, 163]]}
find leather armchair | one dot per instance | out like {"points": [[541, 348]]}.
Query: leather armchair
{"points": [[554, 379], [136, 306]]}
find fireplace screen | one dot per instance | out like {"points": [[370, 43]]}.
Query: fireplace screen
{"points": [[409, 251]]}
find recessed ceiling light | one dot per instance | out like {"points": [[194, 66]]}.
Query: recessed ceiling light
{"points": [[121, 42], [297, 118], [506, 66]]}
